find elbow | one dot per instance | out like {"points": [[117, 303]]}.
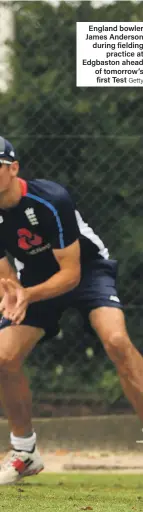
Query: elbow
{"points": [[76, 278]]}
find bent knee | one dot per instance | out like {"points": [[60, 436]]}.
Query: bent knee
{"points": [[9, 353], [116, 345], [8, 364], [9, 361]]}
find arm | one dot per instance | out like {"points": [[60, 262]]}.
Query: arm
{"points": [[63, 281], [63, 235]]}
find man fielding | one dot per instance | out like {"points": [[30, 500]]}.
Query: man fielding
{"points": [[63, 263]]}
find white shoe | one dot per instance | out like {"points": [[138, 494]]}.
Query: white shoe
{"points": [[16, 465]]}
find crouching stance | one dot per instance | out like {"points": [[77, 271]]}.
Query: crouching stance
{"points": [[61, 263]]}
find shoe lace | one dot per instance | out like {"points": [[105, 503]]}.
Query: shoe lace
{"points": [[8, 460]]}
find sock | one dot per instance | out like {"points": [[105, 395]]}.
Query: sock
{"points": [[26, 444]]}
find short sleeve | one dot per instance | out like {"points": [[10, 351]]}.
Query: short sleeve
{"points": [[64, 228]]}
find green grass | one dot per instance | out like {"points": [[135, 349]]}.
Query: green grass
{"points": [[74, 492]]}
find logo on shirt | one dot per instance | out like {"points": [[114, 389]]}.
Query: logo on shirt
{"points": [[30, 214], [1, 219], [27, 239]]}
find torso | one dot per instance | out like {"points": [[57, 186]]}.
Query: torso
{"points": [[26, 230]]}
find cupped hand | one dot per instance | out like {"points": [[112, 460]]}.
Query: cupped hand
{"points": [[14, 303]]}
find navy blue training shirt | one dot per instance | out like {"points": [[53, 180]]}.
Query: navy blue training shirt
{"points": [[44, 219]]}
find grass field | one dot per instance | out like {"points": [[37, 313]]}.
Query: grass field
{"points": [[67, 493]]}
